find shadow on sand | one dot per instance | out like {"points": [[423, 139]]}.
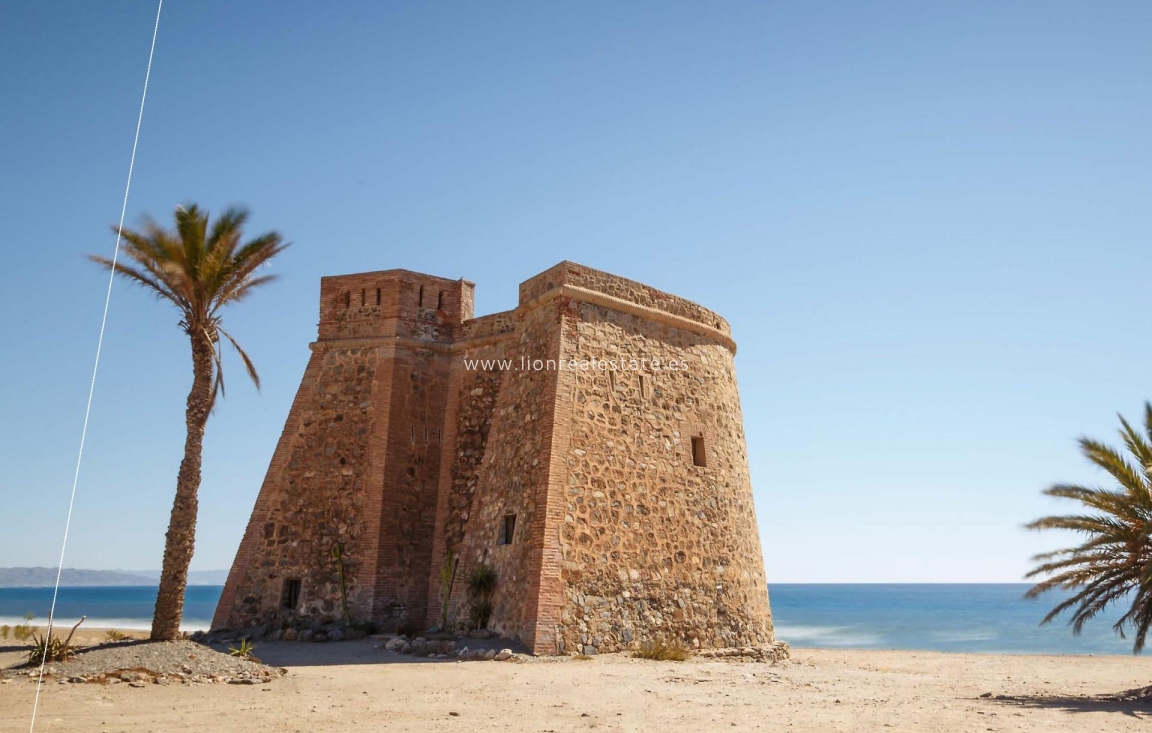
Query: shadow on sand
{"points": [[1136, 703], [360, 651]]}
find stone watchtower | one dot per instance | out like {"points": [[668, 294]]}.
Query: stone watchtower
{"points": [[588, 446]]}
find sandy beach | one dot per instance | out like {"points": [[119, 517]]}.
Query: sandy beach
{"points": [[354, 686]]}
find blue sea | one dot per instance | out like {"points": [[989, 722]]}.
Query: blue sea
{"points": [[121, 607], [952, 618], [993, 618]]}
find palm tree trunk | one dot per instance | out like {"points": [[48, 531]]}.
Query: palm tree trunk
{"points": [[181, 537]]}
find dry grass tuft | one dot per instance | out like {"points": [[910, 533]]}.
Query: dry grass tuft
{"points": [[661, 651]]}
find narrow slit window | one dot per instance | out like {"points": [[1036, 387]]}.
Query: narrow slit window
{"points": [[440, 301], [347, 298], [699, 458], [507, 529], [363, 299], [421, 296], [290, 595]]}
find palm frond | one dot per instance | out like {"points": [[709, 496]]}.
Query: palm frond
{"points": [[200, 268], [1113, 462], [218, 360], [243, 290], [1113, 565], [158, 287], [248, 365]]}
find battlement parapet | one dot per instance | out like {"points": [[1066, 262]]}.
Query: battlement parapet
{"points": [[581, 278], [494, 324], [392, 303]]}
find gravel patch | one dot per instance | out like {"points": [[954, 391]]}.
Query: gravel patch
{"points": [[154, 662]]}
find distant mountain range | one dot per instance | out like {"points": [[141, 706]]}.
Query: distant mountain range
{"points": [[41, 577]]}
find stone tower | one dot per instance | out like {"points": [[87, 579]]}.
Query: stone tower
{"points": [[588, 446]]}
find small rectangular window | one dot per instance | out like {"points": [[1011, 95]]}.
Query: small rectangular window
{"points": [[440, 301], [421, 303], [290, 594], [698, 456], [507, 529]]}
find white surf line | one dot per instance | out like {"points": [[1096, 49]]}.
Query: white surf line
{"points": [[96, 365]]}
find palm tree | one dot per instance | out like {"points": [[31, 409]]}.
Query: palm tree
{"points": [[199, 270], [1113, 565]]}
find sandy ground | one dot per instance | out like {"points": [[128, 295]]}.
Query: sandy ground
{"points": [[353, 686]]}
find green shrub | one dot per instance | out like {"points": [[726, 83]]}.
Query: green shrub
{"points": [[482, 581], [447, 576], [48, 648], [24, 630], [481, 584], [4, 631], [479, 613], [244, 651], [114, 635]]}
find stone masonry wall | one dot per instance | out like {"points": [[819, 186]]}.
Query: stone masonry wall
{"points": [[471, 405], [358, 465], [655, 546], [513, 478], [314, 500]]}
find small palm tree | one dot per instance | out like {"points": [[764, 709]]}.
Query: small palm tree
{"points": [[199, 270], [1114, 563]]}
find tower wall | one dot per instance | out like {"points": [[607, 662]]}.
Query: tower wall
{"points": [[419, 432], [513, 479], [656, 547], [348, 504]]}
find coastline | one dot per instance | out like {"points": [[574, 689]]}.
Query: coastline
{"points": [[93, 630], [103, 624], [991, 618]]}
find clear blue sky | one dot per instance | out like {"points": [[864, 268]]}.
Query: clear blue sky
{"points": [[928, 224]]}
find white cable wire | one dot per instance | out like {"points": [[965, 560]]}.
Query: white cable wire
{"points": [[96, 365]]}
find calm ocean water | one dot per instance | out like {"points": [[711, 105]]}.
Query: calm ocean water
{"points": [[949, 618], [954, 618], [127, 607]]}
